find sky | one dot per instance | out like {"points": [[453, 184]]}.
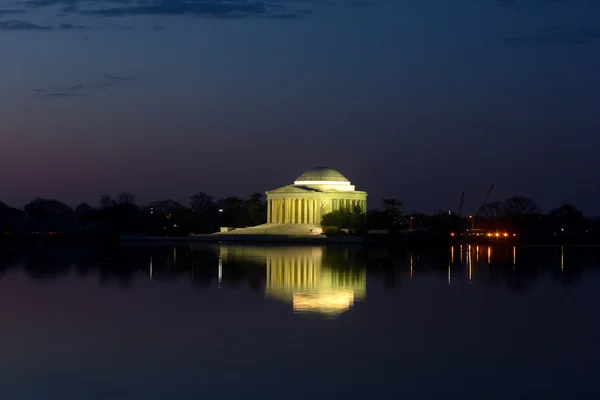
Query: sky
{"points": [[420, 101]]}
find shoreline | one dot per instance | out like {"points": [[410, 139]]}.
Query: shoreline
{"points": [[371, 240], [247, 239]]}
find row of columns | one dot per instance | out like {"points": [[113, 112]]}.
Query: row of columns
{"points": [[304, 211]]}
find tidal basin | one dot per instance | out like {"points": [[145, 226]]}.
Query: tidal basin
{"points": [[191, 321]]}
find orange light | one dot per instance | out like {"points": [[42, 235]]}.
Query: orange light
{"points": [[505, 234], [514, 234], [452, 234], [497, 234]]}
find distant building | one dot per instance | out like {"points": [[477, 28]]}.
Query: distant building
{"points": [[296, 210], [316, 192]]}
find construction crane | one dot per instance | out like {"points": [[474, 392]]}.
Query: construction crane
{"points": [[483, 203], [485, 200], [460, 205]]}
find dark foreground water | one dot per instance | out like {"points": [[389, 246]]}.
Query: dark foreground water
{"points": [[241, 322]]}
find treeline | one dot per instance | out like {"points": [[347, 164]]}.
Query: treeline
{"points": [[122, 214], [516, 214]]}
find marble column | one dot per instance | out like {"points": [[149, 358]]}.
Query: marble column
{"points": [[269, 211], [273, 211], [279, 211], [305, 204], [294, 211]]}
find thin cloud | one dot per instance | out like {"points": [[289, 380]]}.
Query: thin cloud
{"points": [[119, 77], [10, 12], [537, 4], [71, 27], [66, 94], [17, 25], [84, 89], [221, 9], [560, 36], [360, 3], [79, 86]]}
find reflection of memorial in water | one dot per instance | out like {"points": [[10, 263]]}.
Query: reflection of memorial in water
{"points": [[313, 279]]}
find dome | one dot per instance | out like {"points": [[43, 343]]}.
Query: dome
{"points": [[322, 174]]}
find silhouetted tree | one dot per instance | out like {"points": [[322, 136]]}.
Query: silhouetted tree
{"points": [[83, 210], [377, 219], [126, 198], [257, 213], [344, 218], [235, 212], [165, 206], [393, 210], [49, 215], [106, 201], [201, 202], [492, 211], [520, 205], [568, 213]]}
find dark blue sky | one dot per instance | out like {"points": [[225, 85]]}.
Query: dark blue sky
{"points": [[416, 100]]}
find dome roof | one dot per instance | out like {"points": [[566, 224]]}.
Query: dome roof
{"points": [[322, 174]]}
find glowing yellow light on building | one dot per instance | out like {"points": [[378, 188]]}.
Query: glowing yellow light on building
{"points": [[489, 254]]}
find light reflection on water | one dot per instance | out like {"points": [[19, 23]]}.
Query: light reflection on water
{"points": [[299, 275], [197, 321]]}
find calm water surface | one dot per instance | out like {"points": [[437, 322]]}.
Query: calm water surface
{"points": [[236, 322]]}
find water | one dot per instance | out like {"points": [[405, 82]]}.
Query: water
{"points": [[234, 322]]}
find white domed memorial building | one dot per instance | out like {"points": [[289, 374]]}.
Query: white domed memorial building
{"points": [[297, 209], [315, 193]]}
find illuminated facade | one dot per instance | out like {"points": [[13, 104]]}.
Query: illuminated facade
{"points": [[316, 192]]}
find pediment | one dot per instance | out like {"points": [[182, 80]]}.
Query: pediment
{"points": [[291, 190]]}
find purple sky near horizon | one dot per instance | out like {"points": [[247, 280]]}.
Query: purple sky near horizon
{"points": [[419, 101]]}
